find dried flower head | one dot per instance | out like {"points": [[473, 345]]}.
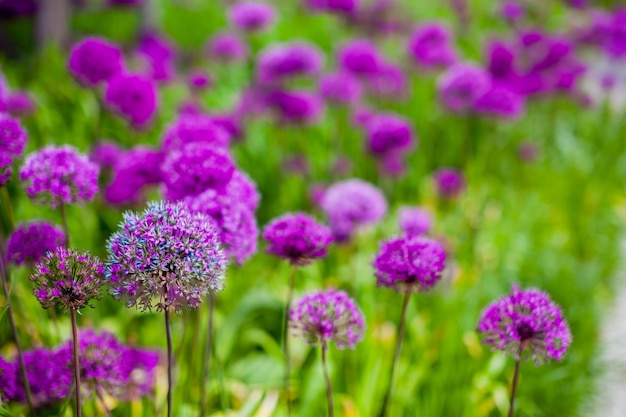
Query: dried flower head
{"points": [[94, 60], [67, 278], [297, 238], [12, 140], [165, 253], [327, 316], [409, 264], [526, 325], [31, 241], [52, 176]]}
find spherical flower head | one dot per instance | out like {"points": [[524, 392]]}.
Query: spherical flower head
{"points": [[195, 168], [359, 57], [49, 375], [326, 317], [94, 60], [340, 88], [298, 107], [461, 85], [500, 60], [350, 204], [67, 278], [167, 254], [134, 171], [450, 182], [12, 140], [347, 7], [242, 188], [500, 102], [8, 377], [297, 238], [194, 128], [31, 241], [512, 10], [133, 96], [526, 325], [388, 133], [59, 175], [156, 50], [414, 221], [409, 264], [106, 153], [288, 59], [19, 104], [388, 80], [138, 367], [430, 46], [252, 16], [228, 48], [200, 81]]}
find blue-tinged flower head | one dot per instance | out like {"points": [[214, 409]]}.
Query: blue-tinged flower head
{"points": [[166, 255]]}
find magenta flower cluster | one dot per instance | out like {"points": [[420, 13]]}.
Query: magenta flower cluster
{"points": [[12, 140], [252, 16], [94, 60], [59, 175], [132, 96], [67, 278], [298, 238], [132, 172], [194, 128], [31, 241], [449, 182], [409, 264], [526, 325], [167, 254], [413, 221], [326, 317]]}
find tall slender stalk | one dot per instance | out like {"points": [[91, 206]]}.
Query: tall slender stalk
{"points": [[170, 362], [329, 390], [103, 403], [76, 357], [20, 356], [65, 228], [399, 337], [7, 206], [286, 338], [208, 353], [514, 388]]}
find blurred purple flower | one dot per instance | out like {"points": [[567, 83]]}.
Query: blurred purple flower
{"points": [[414, 221], [31, 241], [159, 54], [134, 170], [228, 47], [288, 59], [512, 10], [132, 96], [359, 57], [450, 182], [106, 153], [387, 133], [251, 16], [19, 104], [526, 325], [296, 106], [340, 88], [388, 80], [347, 7], [500, 101], [194, 128], [94, 60], [461, 85], [430, 46], [527, 151], [200, 81], [12, 141]]}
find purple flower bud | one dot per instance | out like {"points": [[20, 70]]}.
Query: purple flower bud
{"points": [[251, 16], [53, 176], [31, 241], [297, 238], [133, 96], [526, 325], [94, 60], [327, 316], [430, 46], [409, 264]]}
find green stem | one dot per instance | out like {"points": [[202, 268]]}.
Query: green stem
{"points": [[514, 388], [65, 228], [286, 338], [170, 362], [329, 390], [208, 351], [399, 337], [76, 357]]}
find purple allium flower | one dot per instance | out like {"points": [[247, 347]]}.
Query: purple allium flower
{"points": [[54, 176], [138, 370], [388, 80], [19, 104], [296, 106], [252, 16], [125, 2], [430, 46], [200, 81], [449, 182], [388, 133], [94, 60], [298, 238], [106, 153], [327, 316], [500, 61], [527, 151], [31, 241], [133, 96], [167, 254], [195, 168], [461, 85], [359, 57], [135, 169], [159, 54], [194, 129], [288, 59], [67, 278], [12, 140], [229, 48], [350, 204], [409, 264], [512, 10], [244, 189], [526, 325], [49, 375], [230, 123], [340, 88], [413, 221], [347, 7], [8, 376], [500, 101]]}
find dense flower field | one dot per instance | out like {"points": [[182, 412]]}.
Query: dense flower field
{"points": [[307, 208]]}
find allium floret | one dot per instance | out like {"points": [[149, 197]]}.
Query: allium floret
{"points": [[167, 254], [526, 325], [67, 278], [326, 317], [409, 264]]}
